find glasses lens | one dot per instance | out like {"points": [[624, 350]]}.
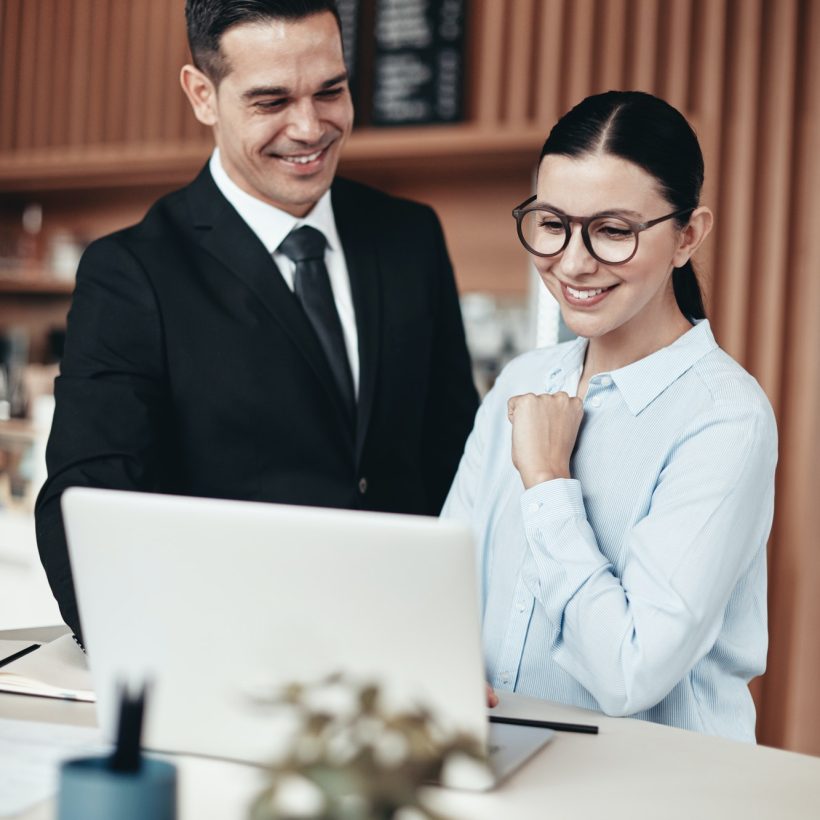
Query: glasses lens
{"points": [[543, 232], [612, 239]]}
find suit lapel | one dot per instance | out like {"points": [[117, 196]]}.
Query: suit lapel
{"points": [[224, 235], [362, 265]]}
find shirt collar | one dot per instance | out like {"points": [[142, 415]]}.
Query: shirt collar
{"points": [[641, 382], [269, 223]]}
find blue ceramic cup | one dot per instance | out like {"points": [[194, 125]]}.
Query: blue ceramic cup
{"points": [[90, 790]]}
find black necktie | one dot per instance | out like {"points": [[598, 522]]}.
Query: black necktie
{"points": [[305, 247]]}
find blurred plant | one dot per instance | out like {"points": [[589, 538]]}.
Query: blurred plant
{"points": [[351, 759]]}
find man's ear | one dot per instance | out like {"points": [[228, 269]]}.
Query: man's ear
{"points": [[201, 93], [692, 236]]}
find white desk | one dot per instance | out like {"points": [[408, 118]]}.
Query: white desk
{"points": [[630, 770]]}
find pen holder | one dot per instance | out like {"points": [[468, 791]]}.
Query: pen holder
{"points": [[91, 790]]}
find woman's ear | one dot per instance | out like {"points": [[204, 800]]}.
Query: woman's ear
{"points": [[692, 235]]}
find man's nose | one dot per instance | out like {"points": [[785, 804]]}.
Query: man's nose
{"points": [[304, 124]]}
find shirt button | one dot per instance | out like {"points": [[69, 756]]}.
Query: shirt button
{"points": [[521, 606], [595, 401], [606, 381], [504, 677], [362, 485], [534, 507]]}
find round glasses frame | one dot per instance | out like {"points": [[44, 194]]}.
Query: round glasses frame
{"points": [[567, 221]]}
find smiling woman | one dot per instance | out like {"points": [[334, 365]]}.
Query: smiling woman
{"points": [[621, 485]]}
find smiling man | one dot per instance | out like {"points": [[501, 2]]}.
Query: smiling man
{"points": [[269, 332]]}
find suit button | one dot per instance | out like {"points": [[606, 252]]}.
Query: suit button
{"points": [[362, 485]]}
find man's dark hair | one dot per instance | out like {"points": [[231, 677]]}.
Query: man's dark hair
{"points": [[208, 20]]}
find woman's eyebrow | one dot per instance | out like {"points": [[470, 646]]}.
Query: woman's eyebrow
{"points": [[628, 212]]}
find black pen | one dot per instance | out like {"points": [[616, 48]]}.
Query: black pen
{"points": [[20, 654], [584, 728], [126, 756]]}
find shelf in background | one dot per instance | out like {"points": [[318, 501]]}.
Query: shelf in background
{"points": [[17, 431], [36, 286], [466, 146]]}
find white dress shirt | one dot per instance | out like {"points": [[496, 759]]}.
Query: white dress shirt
{"points": [[272, 225], [638, 586]]}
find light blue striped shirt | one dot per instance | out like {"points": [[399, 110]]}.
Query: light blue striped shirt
{"points": [[638, 587]]}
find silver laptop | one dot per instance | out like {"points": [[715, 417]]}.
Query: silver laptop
{"points": [[218, 601]]}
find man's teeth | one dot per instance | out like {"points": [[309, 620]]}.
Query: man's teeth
{"points": [[584, 294], [305, 159]]}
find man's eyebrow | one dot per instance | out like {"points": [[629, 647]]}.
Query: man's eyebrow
{"points": [[339, 78], [284, 91], [266, 91]]}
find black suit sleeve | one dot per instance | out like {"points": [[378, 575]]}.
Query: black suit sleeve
{"points": [[452, 400], [109, 400]]}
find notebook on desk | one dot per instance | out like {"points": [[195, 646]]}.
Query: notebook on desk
{"points": [[215, 600]]}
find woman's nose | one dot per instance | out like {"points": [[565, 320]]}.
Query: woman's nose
{"points": [[575, 258]]}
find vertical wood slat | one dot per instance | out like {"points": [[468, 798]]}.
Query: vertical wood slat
{"points": [[156, 68], [172, 124], [491, 15], [674, 79], [611, 55], [706, 99], [60, 77], [548, 73], [792, 712], [98, 72], [138, 35], [42, 103], [577, 78], [118, 70], [27, 63], [772, 244], [645, 36], [79, 68], [736, 206], [520, 55], [9, 40]]}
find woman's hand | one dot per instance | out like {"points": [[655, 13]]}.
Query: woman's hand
{"points": [[492, 698], [545, 428]]}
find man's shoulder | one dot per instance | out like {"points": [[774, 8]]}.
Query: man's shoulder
{"points": [[161, 223]]}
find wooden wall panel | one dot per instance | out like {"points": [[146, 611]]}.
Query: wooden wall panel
{"points": [[10, 14], [611, 49], [790, 716], [548, 74], [769, 230], [674, 47], [99, 73], [23, 115], [60, 99], [78, 68]]}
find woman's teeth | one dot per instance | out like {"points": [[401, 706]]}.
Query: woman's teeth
{"points": [[584, 294], [305, 159]]}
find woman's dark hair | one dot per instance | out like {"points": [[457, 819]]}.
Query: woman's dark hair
{"points": [[208, 20], [653, 135]]}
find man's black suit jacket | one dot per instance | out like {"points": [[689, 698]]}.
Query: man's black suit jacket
{"points": [[190, 368]]}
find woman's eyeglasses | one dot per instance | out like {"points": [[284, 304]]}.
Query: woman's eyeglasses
{"points": [[610, 239]]}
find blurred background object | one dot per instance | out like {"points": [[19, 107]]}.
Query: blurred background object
{"points": [[93, 127]]}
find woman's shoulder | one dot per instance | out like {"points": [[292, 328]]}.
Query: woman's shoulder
{"points": [[731, 387]]}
